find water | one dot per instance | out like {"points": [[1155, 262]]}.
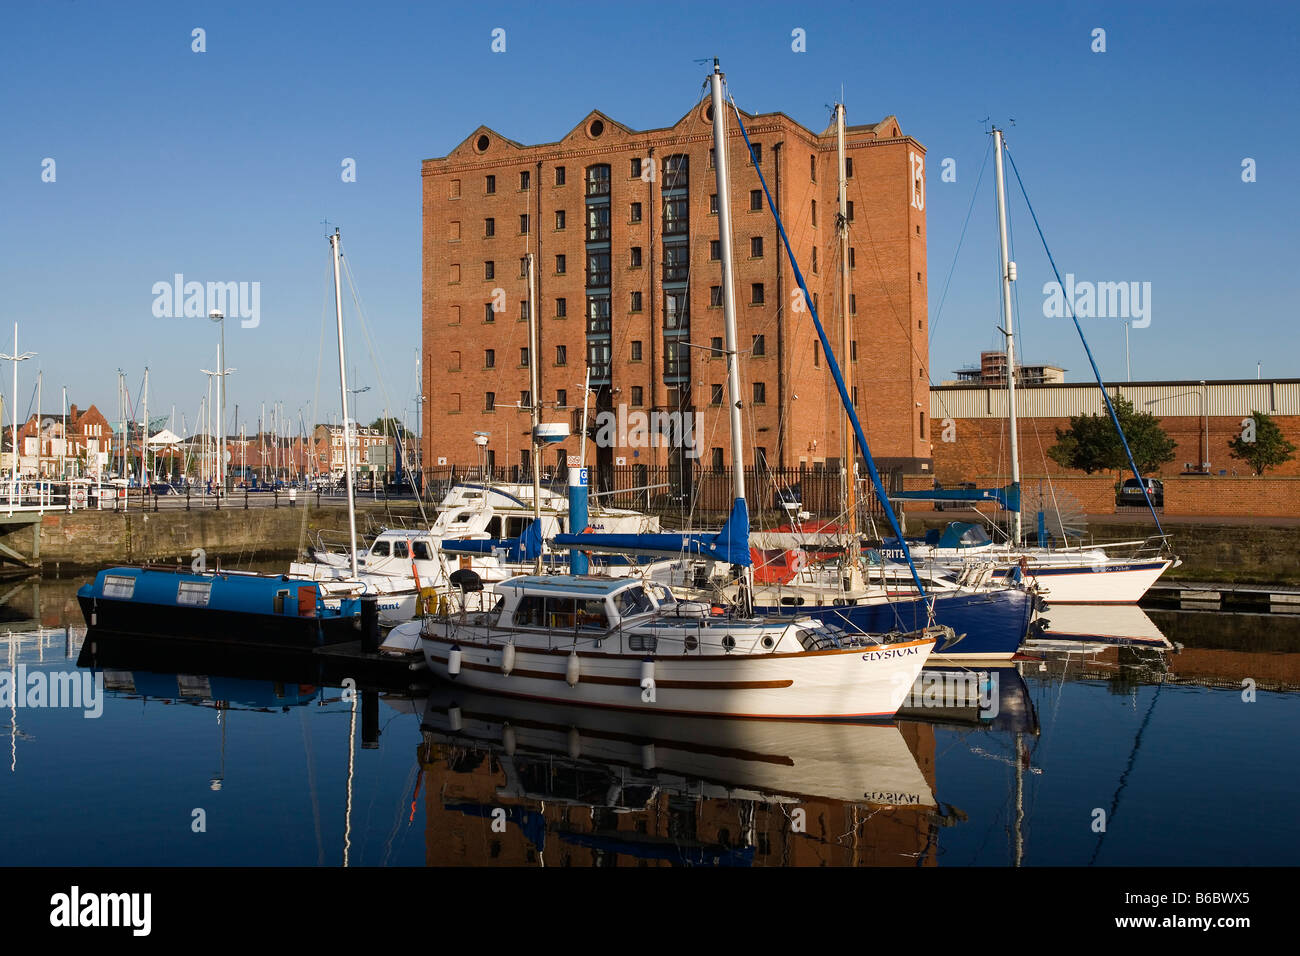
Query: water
{"points": [[211, 760]]}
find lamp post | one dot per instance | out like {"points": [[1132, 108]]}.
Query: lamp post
{"points": [[17, 357], [220, 318], [1202, 402]]}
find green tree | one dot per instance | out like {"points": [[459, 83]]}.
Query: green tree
{"points": [[391, 426], [1261, 443], [1091, 444]]}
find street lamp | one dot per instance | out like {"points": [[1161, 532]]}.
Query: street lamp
{"points": [[219, 317], [16, 357], [1202, 401]]}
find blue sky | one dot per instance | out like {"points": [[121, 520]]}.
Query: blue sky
{"points": [[222, 165]]}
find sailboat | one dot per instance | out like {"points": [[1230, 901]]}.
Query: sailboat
{"points": [[628, 644], [982, 622], [1064, 576]]}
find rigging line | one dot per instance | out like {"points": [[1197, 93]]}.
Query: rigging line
{"points": [[374, 360], [834, 366], [1091, 361], [943, 298], [1128, 769]]}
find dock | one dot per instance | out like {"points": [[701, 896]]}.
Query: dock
{"points": [[1257, 598]]}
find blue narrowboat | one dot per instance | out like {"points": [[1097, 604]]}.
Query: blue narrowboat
{"points": [[234, 607]]}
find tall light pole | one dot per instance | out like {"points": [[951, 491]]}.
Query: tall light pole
{"points": [[220, 318], [15, 358], [1202, 399]]}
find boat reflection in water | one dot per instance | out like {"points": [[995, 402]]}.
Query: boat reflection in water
{"points": [[993, 698], [511, 782], [1063, 625]]}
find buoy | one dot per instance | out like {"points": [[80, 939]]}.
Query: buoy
{"points": [[571, 670], [508, 658], [508, 739], [647, 756], [575, 743], [453, 661], [453, 718]]}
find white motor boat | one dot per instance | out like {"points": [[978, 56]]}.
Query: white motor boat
{"points": [[618, 642]]}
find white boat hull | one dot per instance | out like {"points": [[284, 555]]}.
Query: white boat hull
{"points": [[862, 682], [1111, 583]]}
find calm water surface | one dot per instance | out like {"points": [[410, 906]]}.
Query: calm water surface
{"points": [[216, 760]]}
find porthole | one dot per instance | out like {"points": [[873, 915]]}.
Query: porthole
{"points": [[482, 143], [769, 643], [691, 642], [728, 643]]}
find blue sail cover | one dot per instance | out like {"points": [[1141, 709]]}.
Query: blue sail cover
{"points": [[731, 544], [1008, 497], [526, 547]]}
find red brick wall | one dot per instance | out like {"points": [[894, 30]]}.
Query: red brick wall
{"points": [[1214, 495]]}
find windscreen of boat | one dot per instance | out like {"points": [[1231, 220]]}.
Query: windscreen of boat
{"points": [[634, 601], [963, 534], [421, 549], [379, 549]]}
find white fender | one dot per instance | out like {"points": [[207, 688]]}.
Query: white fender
{"points": [[647, 756], [453, 719], [647, 670], [453, 661], [571, 669], [575, 743], [508, 658], [508, 739]]}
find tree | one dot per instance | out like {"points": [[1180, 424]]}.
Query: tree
{"points": [[1261, 443], [391, 426], [1091, 444]]}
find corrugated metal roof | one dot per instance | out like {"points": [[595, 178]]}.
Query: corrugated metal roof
{"points": [[1233, 398]]}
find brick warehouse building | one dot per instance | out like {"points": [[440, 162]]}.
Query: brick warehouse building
{"points": [[623, 228]]}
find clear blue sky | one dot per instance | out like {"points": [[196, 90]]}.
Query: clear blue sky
{"points": [[221, 165]]}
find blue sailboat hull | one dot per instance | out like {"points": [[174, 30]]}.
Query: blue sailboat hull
{"points": [[988, 624]]}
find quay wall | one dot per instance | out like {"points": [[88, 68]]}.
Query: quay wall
{"points": [[89, 540]]}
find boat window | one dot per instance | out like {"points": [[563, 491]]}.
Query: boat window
{"points": [[421, 549], [400, 550], [791, 601], [461, 517], [974, 536], [379, 549], [592, 614], [528, 612], [634, 601], [642, 642], [119, 586], [194, 593], [514, 527], [663, 596], [494, 527]]}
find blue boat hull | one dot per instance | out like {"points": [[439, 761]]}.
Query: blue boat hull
{"points": [[988, 625]]}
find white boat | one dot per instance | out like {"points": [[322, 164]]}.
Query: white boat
{"points": [[616, 642], [1088, 575]]}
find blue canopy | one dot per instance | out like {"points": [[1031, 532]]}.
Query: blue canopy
{"points": [[526, 547], [731, 544], [1008, 497]]}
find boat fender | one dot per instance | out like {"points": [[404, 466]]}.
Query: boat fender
{"points": [[647, 756], [508, 739], [508, 659], [454, 722], [575, 743], [453, 661], [648, 680], [571, 670]]}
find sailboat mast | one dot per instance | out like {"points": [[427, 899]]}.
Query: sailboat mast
{"points": [[728, 301], [848, 458], [1008, 270], [343, 391], [534, 386], [728, 283]]}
